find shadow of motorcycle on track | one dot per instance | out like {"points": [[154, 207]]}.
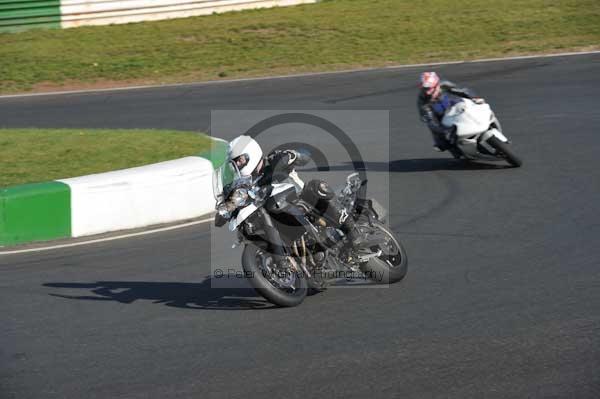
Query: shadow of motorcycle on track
{"points": [[201, 295], [411, 165]]}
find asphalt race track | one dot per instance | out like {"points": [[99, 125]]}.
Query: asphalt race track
{"points": [[502, 298]]}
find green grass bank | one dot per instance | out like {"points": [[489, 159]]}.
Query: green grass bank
{"points": [[37, 155], [328, 35]]}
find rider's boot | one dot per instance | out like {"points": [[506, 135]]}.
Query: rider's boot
{"points": [[456, 153], [355, 237]]}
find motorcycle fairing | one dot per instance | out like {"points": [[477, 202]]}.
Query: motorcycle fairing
{"points": [[468, 118], [248, 210]]}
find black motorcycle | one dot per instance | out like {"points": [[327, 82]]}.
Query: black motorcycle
{"points": [[284, 260]]}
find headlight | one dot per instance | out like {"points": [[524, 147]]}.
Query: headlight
{"points": [[239, 197], [223, 210]]}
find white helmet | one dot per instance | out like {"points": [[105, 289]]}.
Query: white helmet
{"points": [[245, 154]]}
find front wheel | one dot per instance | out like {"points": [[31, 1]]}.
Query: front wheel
{"points": [[505, 150], [282, 287], [392, 265]]}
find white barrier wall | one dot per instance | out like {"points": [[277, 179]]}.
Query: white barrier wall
{"points": [[137, 197], [102, 12]]}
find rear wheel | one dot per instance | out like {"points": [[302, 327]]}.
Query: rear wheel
{"points": [[505, 150], [391, 265], [281, 286]]}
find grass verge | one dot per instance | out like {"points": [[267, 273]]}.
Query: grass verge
{"points": [[328, 35], [33, 155]]}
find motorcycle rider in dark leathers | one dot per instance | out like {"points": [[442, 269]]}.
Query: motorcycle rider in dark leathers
{"points": [[435, 98], [279, 166]]}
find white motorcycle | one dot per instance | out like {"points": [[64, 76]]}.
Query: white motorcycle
{"points": [[478, 132]]}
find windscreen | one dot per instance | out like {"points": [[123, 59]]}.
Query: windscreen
{"points": [[223, 178]]}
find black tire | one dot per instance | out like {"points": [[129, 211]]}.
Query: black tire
{"points": [[387, 269], [504, 149], [265, 287]]}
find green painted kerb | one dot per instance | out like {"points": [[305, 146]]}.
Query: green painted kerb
{"points": [[216, 154], [19, 15], [34, 212]]}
